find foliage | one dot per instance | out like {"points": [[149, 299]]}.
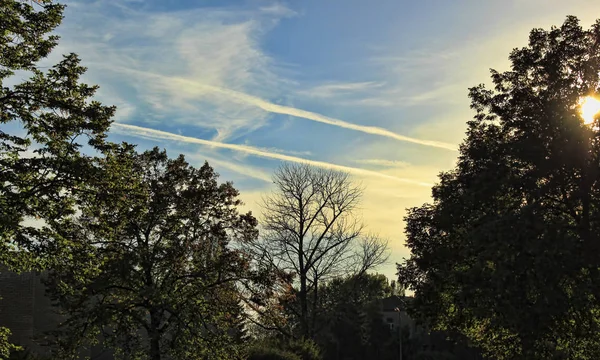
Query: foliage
{"points": [[270, 353], [310, 234], [350, 322], [50, 114], [161, 237], [305, 349], [45, 121], [284, 349], [507, 253], [6, 348]]}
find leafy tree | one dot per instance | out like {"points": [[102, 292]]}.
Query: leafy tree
{"points": [[350, 321], [45, 121], [311, 234], [162, 237], [507, 253]]}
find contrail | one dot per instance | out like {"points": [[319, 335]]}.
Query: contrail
{"points": [[288, 110], [163, 135]]}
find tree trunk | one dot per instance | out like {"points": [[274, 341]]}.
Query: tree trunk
{"points": [[314, 311], [154, 335], [303, 307]]}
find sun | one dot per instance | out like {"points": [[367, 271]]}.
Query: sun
{"points": [[589, 108]]}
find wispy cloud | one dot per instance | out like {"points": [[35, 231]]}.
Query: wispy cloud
{"points": [[218, 46], [383, 162], [163, 135], [244, 170], [281, 151], [339, 89], [195, 89], [278, 9], [201, 67]]}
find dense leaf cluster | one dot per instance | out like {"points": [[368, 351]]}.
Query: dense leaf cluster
{"points": [[507, 253]]}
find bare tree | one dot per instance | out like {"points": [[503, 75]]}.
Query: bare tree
{"points": [[310, 230]]}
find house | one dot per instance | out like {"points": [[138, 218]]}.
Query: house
{"points": [[394, 313]]}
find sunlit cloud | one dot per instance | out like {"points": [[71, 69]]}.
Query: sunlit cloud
{"points": [[217, 46], [339, 89], [163, 135], [244, 170], [383, 162], [186, 87]]}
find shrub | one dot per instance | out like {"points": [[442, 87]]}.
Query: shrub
{"points": [[262, 352], [306, 349]]}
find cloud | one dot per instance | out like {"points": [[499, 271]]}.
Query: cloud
{"points": [[195, 89], [163, 135], [279, 10], [245, 170], [200, 67], [331, 90], [218, 46], [281, 151], [372, 101], [383, 162]]}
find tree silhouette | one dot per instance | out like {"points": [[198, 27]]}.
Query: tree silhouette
{"points": [[507, 253], [312, 234], [159, 237]]}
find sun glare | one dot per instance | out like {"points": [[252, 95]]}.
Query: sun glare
{"points": [[590, 108]]}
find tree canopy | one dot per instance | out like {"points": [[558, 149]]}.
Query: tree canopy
{"points": [[350, 322], [51, 115], [507, 253], [161, 236]]}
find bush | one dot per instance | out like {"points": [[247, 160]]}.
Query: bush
{"points": [[306, 349], [258, 352]]}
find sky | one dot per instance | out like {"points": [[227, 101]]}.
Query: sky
{"points": [[375, 88]]}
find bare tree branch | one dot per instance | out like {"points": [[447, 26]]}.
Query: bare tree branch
{"points": [[310, 229]]}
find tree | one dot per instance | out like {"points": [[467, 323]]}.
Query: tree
{"points": [[45, 121], [507, 253], [161, 237], [311, 233], [351, 323]]}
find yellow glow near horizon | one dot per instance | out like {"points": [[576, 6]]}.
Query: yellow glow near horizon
{"points": [[589, 108]]}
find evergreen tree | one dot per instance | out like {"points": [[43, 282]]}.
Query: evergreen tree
{"points": [[45, 122]]}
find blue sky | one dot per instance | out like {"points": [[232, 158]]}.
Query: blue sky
{"points": [[375, 88]]}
